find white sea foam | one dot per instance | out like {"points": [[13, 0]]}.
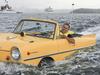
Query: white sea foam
{"points": [[93, 30]]}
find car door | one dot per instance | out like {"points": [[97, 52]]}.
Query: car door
{"points": [[65, 44]]}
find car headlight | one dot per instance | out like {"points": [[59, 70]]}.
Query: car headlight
{"points": [[15, 53]]}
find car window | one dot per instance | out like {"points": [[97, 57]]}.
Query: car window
{"points": [[36, 28]]}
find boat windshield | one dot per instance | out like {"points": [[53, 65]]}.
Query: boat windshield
{"points": [[36, 28]]}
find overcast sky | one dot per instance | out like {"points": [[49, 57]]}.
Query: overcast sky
{"points": [[56, 4]]}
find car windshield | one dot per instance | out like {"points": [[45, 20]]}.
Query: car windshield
{"points": [[36, 28]]}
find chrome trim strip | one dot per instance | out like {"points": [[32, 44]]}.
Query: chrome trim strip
{"points": [[4, 51]]}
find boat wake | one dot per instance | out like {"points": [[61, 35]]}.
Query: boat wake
{"points": [[93, 30], [17, 69]]}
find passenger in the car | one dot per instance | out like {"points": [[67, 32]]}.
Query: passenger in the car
{"points": [[65, 30], [66, 33]]}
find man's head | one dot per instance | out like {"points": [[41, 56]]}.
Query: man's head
{"points": [[65, 27]]}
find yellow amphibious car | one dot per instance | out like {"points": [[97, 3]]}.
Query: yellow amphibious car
{"points": [[38, 42]]}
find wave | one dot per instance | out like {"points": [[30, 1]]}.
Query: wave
{"points": [[93, 30]]}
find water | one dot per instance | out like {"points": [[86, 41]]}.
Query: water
{"points": [[85, 62]]}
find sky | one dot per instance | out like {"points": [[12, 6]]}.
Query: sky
{"points": [[56, 4]]}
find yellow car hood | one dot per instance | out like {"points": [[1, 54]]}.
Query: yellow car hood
{"points": [[12, 36]]}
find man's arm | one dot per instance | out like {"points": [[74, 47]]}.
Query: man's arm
{"points": [[70, 40]]}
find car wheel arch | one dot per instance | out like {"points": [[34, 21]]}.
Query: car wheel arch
{"points": [[45, 58]]}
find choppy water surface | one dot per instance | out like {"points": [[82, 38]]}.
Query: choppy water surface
{"points": [[85, 62]]}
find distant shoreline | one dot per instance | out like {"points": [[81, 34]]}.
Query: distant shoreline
{"points": [[86, 10], [69, 11]]}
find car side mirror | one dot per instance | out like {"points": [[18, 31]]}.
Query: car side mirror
{"points": [[22, 34]]}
